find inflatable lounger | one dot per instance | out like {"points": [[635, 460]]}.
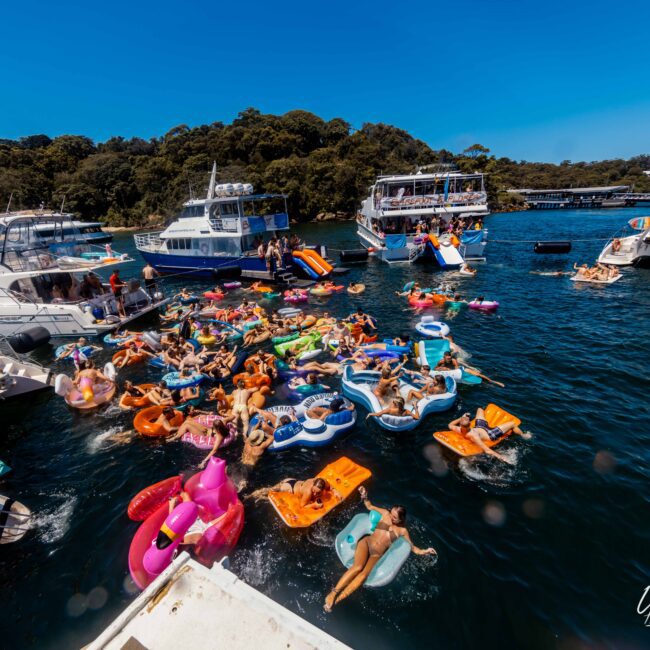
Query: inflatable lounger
{"points": [[391, 561], [463, 446], [344, 475], [577, 278]]}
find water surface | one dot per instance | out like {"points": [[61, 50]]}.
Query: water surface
{"points": [[550, 552]]}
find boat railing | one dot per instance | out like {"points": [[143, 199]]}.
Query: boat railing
{"points": [[421, 201], [224, 225], [148, 241]]}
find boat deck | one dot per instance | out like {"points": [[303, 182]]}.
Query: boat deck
{"points": [[190, 606]]}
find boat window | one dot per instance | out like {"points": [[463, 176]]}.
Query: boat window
{"points": [[228, 209], [226, 246]]}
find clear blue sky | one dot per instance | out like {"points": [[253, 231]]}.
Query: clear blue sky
{"points": [[531, 80]]}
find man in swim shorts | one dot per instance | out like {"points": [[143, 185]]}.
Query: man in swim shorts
{"points": [[482, 432]]}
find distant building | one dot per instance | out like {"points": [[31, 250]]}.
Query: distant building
{"points": [[576, 197], [647, 173]]}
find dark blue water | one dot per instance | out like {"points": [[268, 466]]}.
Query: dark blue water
{"points": [[551, 552]]}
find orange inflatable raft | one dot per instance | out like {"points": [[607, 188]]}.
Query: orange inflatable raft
{"points": [[252, 381], [120, 354], [131, 402], [462, 445], [344, 475], [144, 422]]}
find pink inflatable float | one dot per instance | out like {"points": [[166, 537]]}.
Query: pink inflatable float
{"points": [[210, 510]]}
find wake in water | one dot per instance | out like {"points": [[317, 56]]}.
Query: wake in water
{"points": [[54, 523], [113, 437], [486, 469]]}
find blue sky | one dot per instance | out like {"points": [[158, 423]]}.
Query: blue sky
{"points": [[535, 81]]}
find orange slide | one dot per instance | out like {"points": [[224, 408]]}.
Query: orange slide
{"points": [[344, 475], [459, 443], [314, 261]]}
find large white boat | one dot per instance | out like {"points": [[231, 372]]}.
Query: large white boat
{"points": [[221, 233], [69, 229], [406, 217], [43, 283], [631, 250]]}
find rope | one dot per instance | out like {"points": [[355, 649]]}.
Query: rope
{"points": [[534, 241]]}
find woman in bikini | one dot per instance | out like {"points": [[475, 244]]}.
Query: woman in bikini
{"points": [[371, 548], [310, 491]]}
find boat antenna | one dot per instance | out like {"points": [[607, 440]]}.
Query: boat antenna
{"points": [[189, 183], [213, 180], [11, 196], [62, 204]]}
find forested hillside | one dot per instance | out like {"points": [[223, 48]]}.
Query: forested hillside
{"points": [[323, 166]]}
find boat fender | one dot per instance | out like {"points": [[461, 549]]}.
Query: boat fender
{"points": [[29, 339]]}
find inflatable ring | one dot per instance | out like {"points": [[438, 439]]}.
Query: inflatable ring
{"points": [[145, 422], [256, 380]]}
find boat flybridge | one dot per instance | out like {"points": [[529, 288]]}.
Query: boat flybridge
{"points": [[83, 232], [407, 217], [631, 250], [222, 232], [59, 285]]}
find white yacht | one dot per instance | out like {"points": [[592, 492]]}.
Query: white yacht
{"points": [[391, 218], [83, 232], [43, 284], [221, 233], [631, 250]]}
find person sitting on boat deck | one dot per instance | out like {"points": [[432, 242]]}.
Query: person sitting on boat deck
{"points": [[397, 408], [310, 491], [371, 548], [435, 386], [131, 390], [583, 271], [616, 245], [482, 432], [335, 406]]}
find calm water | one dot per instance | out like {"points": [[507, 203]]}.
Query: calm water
{"points": [[551, 552]]}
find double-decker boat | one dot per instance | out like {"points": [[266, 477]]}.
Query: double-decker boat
{"points": [[223, 232], [65, 228], [408, 217], [42, 282]]}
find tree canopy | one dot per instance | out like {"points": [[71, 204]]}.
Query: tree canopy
{"points": [[323, 166]]}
